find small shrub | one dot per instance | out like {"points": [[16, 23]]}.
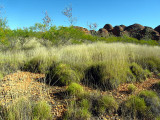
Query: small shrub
{"points": [[61, 74], [158, 75], [135, 107], [75, 89], [131, 88], [152, 101], [1, 76], [107, 103], [20, 110], [151, 63], [42, 111], [157, 118], [78, 110], [138, 71], [98, 76], [130, 77], [36, 65]]}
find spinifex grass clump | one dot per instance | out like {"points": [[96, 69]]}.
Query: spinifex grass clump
{"points": [[139, 73], [131, 88], [75, 89], [38, 64], [107, 104], [25, 109], [61, 74], [146, 105], [101, 75], [135, 107], [21, 109], [152, 101], [42, 111], [78, 110]]}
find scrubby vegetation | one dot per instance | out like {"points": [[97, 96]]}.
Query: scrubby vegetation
{"points": [[70, 57]]}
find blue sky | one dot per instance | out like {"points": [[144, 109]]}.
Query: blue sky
{"points": [[25, 13]]}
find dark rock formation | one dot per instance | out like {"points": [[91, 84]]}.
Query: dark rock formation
{"points": [[135, 30], [123, 26], [103, 32], [134, 27], [149, 33], [157, 29], [117, 30], [108, 27]]}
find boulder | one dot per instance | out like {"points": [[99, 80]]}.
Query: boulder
{"points": [[134, 27], [135, 30], [117, 30], [108, 27], [123, 26], [150, 33], [157, 29], [103, 32]]}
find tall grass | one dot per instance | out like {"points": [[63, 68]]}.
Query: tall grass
{"points": [[113, 59]]}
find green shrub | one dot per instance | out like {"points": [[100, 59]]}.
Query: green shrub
{"points": [[158, 75], [138, 71], [152, 101], [78, 110], [98, 76], [42, 111], [37, 65], [131, 88], [75, 89], [157, 118], [130, 77], [32, 66], [150, 63], [135, 107], [107, 103], [20, 110], [61, 74], [1, 76]]}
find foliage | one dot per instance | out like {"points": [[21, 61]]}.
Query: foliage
{"points": [[61, 74], [135, 107], [139, 72], [21, 110], [78, 110], [42, 111], [75, 89], [68, 13], [131, 88], [107, 103]]}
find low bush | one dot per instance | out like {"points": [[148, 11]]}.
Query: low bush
{"points": [[1, 76], [130, 77], [34, 65], [107, 104], [152, 101], [75, 89], [134, 107], [20, 110], [98, 76], [158, 75], [78, 110], [61, 74], [42, 111], [139, 73], [151, 63], [131, 88], [145, 105]]}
